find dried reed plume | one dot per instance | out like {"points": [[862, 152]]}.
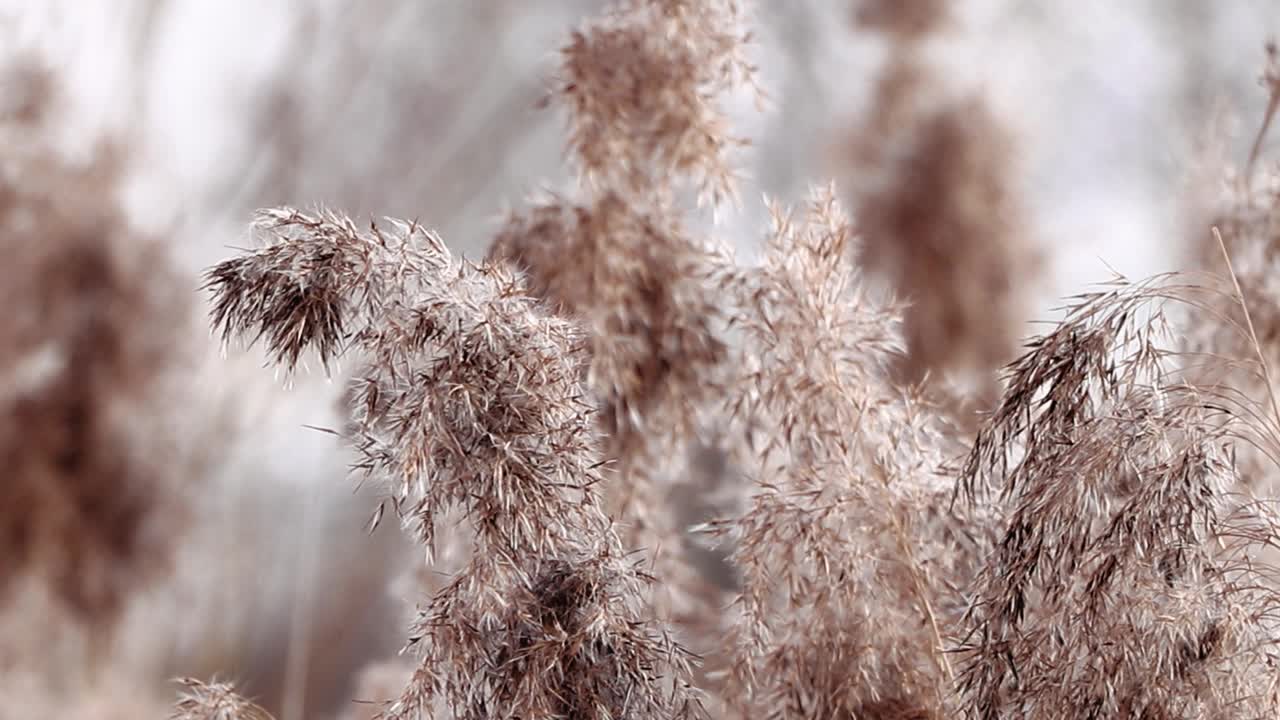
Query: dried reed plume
{"points": [[1241, 238], [470, 396], [642, 86], [1088, 560], [932, 187], [89, 355], [634, 278], [1126, 582], [214, 701], [851, 564], [643, 83], [631, 277]]}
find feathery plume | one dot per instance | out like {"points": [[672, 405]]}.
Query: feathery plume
{"points": [[1126, 583], [851, 565], [470, 396], [214, 701]]}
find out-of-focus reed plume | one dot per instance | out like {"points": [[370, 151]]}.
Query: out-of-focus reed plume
{"points": [[932, 177], [91, 351], [95, 353], [644, 87]]}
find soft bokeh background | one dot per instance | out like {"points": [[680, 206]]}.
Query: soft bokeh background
{"points": [[430, 109]]}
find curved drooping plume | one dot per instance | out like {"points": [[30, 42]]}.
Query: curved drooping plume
{"points": [[1127, 581], [469, 395]]}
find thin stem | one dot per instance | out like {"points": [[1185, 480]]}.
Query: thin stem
{"points": [[920, 585], [1248, 319], [1272, 79], [1272, 106]]}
